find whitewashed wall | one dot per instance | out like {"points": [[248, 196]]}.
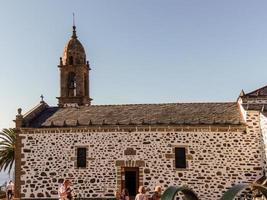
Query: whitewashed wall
{"points": [[216, 161]]}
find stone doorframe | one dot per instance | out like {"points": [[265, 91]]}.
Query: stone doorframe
{"points": [[121, 164]]}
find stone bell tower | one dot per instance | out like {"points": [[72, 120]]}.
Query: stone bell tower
{"points": [[74, 75]]}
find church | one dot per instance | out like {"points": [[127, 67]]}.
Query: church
{"points": [[101, 148]]}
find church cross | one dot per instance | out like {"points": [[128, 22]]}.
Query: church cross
{"points": [[42, 98]]}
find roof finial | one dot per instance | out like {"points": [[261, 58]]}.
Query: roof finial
{"points": [[42, 98], [74, 36], [73, 19], [242, 93]]}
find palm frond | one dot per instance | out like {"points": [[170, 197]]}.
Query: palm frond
{"points": [[7, 149]]}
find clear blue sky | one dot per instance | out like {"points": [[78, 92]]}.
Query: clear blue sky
{"points": [[150, 51]]}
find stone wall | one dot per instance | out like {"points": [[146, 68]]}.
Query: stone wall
{"points": [[216, 160], [256, 122], [263, 125]]}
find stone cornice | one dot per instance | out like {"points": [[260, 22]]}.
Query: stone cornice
{"points": [[142, 128]]}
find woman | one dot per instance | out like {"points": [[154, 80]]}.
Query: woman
{"points": [[141, 195], [157, 193], [117, 195], [64, 191], [125, 194]]}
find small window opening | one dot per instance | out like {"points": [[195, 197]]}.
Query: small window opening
{"points": [[85, 85], [81, 157], [180, 157], [77, 61], [72, 84], [71, 60]]}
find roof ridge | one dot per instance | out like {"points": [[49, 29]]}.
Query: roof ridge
{"points": [[130, 104], [144, 104], [249, 93]]}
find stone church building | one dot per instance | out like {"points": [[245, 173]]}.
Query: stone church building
{"points": [[101, 148]]}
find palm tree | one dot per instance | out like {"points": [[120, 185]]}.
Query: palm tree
{"points": [[258, 191], [7, 149]]}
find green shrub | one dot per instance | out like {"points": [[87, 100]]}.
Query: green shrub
{"points": [[2, 194]]}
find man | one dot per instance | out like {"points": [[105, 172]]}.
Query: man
{"points": [[10, 190]]}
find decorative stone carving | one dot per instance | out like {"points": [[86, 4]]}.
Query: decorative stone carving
{"points": [[130, 152]]}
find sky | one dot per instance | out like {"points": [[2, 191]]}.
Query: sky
{"points": [[140, 51]]}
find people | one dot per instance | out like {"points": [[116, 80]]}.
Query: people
{"points": [[142, 194], [64, 191], [117, 195], [10, 190], [125, 194], [157, 193]]}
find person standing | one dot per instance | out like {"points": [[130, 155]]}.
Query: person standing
{"points": [[157, 193], [142, 194], [64, 191], [117, 195], [10, 190], [125, 194]]}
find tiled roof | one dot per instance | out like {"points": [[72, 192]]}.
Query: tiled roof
{"points": [[260, 93], [138, 114]]}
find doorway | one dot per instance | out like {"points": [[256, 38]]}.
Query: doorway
{"points": [[130, 180]]}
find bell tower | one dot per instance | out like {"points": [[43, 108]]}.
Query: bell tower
{"points": [[74, 75]]}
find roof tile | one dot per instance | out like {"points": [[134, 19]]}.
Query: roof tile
{"points": [[139, 114]]}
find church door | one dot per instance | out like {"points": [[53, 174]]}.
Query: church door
{"points": [[131, 180]]}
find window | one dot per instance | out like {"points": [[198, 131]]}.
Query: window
{"points": [[81, 157], [71, 60], [77, 60], [72, 84], [180, 157], [85, 85]]}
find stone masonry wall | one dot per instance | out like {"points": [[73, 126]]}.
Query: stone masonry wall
{"points": [[263, 125], [216, 160], [256, 124]]}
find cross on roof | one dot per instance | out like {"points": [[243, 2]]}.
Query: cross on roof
{"points": [[42, 98]]}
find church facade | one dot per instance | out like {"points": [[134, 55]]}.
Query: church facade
{"points": [[101, 148]]}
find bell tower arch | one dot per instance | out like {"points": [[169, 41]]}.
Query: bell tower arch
{"points": [[74, 74]]}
